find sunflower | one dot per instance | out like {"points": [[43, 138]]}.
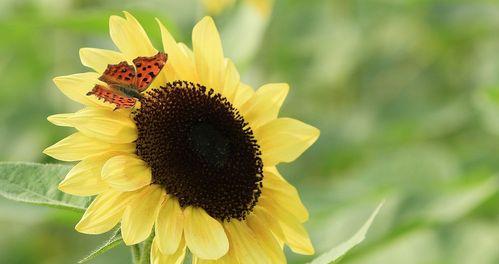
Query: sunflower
{"points": [[194, 163]]}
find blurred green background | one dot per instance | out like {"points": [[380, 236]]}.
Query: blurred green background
{"points": [[405, 94]]}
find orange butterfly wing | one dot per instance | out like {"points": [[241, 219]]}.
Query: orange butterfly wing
{"points": [[112, 96], [147, 68], [125, 76], [122, 74]]}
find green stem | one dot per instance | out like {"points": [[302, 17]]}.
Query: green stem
{"points": [[146, 250], [136, 252]]}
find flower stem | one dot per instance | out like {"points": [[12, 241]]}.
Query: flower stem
{"points": [[146, 249], [136, 252]]}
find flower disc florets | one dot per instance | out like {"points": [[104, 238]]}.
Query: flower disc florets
{"points": [[200, 149]]}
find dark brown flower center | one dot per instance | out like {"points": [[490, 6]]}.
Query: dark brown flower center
{"points": [[200, 149]]}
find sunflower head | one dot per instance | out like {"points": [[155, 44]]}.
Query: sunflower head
{"points": [[195, 160]]}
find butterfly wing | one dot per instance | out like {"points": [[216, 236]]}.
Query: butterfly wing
{"points": [[121, 74], [147, 68], [112, 96]]}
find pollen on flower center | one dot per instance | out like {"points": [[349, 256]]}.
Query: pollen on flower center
{"points": [[200, 149]]}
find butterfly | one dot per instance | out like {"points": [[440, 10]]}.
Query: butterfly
{"points": [[125, 83]]}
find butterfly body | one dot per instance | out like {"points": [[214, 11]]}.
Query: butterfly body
{"points": [[125, 83], [128, 90]]}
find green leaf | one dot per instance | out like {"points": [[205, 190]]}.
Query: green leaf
{"points": [[112, 242], [487, 102], [37, 184], [340, 250], [462, 200]]}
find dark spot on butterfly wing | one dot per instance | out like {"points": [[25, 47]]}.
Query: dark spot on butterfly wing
{"points": [[113, 75], [142, 65]]}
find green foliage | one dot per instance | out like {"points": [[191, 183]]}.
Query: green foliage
{"points": [[337, 252], [37, 184], [112, 242]]}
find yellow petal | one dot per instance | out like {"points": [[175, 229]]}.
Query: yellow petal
{"points": [[265, 104], [140, 214], [85, 178], [167, 75], [283, 193], [157, 257], [169, 226], [79, 147], [126, 173], [129, 36], [270, 221], [204, 235], [243, 93], [99, 123], [274, 171], [266, 239], [231, 82], [105, 124], [208, 53], [98, 59], [229, 258], [181, 64], [76, 87], [104, 212], [284, 140], [187, 51], [294, 233], [61, 119], [163, 77], [245, 243]]}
